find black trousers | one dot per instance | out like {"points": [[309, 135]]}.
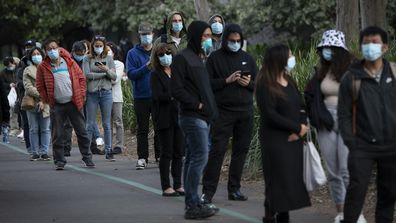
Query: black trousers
{"points": [[172, 150], [68, 138], [143, 108], [25, 126], [360, 169], [62, 112], [239, 125]]}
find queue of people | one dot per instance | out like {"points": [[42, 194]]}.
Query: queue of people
{"points": [[198, 86]]}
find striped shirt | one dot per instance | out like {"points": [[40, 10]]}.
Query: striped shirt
{"points": [[63, 88]]}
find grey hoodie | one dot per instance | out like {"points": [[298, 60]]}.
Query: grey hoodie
{"points": [[216, 43]]}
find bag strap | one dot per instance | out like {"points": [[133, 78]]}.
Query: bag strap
{"points": [[355, 95]]}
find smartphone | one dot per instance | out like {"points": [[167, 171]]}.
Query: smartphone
{"points": [[245, 72], [100, 63]]}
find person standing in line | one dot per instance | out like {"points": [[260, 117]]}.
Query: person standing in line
{"points": [[116, 112], [217, 24], [190, 85], [38, 117], [4, 114], [62, 85], [282, 126], [367, 120], [166, 121], [232, 73], [138, 71], [99, 69]]}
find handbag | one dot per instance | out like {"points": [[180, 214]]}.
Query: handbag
{"points": [[314, 174], [28, 103]]}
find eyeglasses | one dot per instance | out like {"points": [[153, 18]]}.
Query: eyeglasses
{"points": [[167, 53], [101, 38]]}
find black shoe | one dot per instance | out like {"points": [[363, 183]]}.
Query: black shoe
{"points": [[60, 166], [268, 220], [45, 157], [237, 196], [198, 212], [97, 151], [173, 194], [67, 153], [110, 157], [206, 199], [283, 217], [34, 157], [117, 150], [88, 163], [212, 206]]}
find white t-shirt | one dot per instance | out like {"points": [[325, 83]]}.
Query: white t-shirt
{"points": [[116, 88]]}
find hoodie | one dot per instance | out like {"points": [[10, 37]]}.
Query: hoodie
{"points": [[221, 64], [190, 83], [169, 41], [138, 72], [216, 43]]}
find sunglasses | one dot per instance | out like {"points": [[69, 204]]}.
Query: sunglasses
{"points": [[102, 38], [167, 53]]}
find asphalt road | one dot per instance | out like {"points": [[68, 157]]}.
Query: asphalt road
{"points": [[112, 192]]}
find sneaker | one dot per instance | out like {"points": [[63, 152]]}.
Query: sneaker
{"points": [[99, 141], [199, 212], [20, 135], [45, 157], [361, 219], [34, 157], [60, 166], [88, 163], [117, 150], [141, 164], [14, 132], [110, 157], [206, 199], [339, 218]]}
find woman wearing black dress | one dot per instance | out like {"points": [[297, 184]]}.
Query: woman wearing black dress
{"points": [[283, 124], [165, 117]]}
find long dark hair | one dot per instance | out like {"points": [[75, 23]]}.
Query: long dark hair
{"points": [[338, 65], [273, 65]]}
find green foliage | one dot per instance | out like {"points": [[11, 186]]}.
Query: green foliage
{"points": [[128, 111]]}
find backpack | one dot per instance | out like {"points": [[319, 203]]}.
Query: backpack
{"points": [[355, 95]]}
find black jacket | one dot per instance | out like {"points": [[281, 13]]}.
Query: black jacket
{"points": [[190, 80], [376, 116], [4, 106], [318, 114], [221, 64], [165, 108]]}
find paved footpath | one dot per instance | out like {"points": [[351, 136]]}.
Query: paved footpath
{"points": [[113, 192]]}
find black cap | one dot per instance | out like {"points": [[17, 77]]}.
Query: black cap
{"points": [[30, 43]]}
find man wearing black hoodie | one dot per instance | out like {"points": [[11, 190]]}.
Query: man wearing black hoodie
{"points": [[232, 72], [190, 85]]}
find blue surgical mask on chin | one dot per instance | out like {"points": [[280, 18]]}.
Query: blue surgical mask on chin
{"points": [[234, 46], [327, 54], [372, 51], [177, 26], [146, 39], [291, 63]]}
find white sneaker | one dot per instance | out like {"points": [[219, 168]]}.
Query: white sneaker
{"points": [[20, 135], [361, 219], [99, 141], [339, 218], [141, 164]]}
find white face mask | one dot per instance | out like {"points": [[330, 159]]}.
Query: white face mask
{"points": [[291, 63]]}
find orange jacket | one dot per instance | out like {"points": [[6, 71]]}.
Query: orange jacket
{"points": [[45, 80]]}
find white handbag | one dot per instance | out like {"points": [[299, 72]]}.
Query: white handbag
{"points": [[314, 174]]}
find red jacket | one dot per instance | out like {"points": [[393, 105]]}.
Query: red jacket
{"points": [[45, 80]]}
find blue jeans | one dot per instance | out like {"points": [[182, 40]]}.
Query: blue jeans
{"points": [[196, 134], [104, 99], [39, 132]]}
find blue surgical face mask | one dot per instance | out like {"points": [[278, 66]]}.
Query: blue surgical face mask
{"points": [[291, 63], [177, 26], [37, 59], [234, 46], [165, 60], [78, 57], [98, 50], [146, 39], [207, 45], [53, 54], [372, 51], [327, 54], [11, 68], [217, 28]]}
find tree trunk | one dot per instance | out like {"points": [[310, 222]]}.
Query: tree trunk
{"points": [[348, 19], [202, 9], [373, 12]]}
